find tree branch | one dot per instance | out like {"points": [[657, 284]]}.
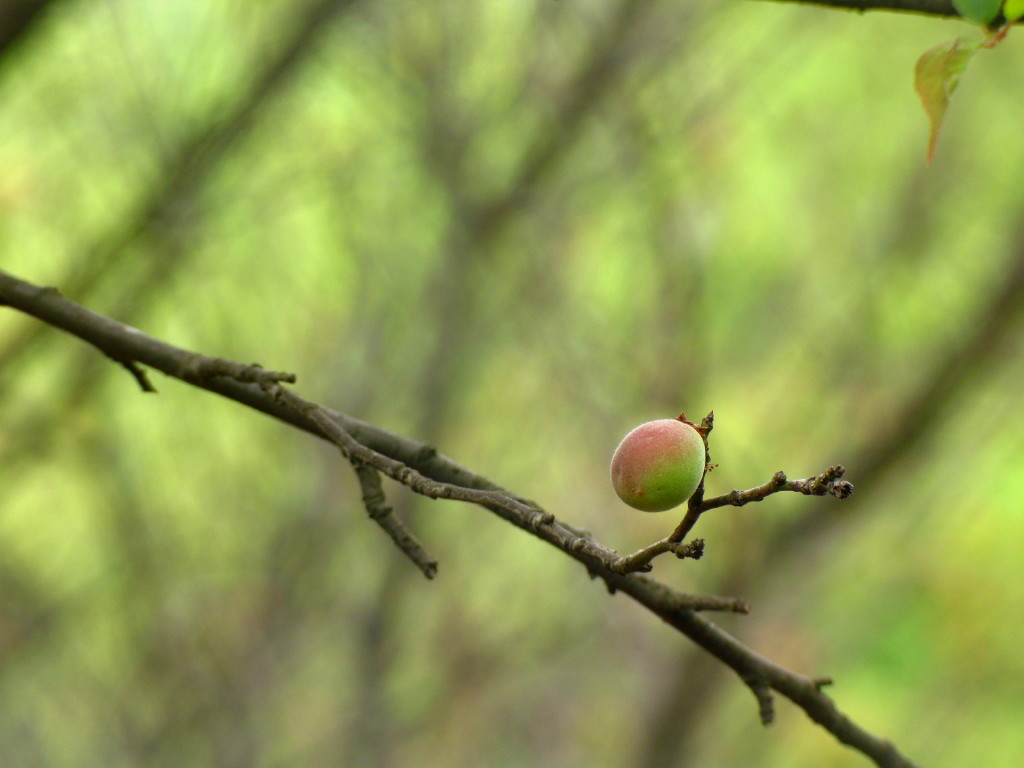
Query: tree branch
{"points": [[927, 7], [421, 468], [829, 482]]}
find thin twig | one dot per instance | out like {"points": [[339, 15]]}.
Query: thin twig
{"points": [[829, 482], [640, 560], [382, 514], [138, 373]]}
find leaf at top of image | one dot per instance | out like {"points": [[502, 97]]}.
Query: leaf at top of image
{"points": [[978, 11], [935, 78], [1013, 10]]}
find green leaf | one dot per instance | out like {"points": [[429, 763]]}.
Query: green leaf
{"points": [[1013, 10], [935, 78], [978, 11]]}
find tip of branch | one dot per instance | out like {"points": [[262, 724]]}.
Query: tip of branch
{"points": [[694, 550], [841, 489], [765, 703], [139, 374]]}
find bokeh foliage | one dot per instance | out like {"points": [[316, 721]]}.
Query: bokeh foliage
{"points": [[514, 230]]}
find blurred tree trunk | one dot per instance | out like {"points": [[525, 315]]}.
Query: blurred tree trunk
{"points": [[17, 19]]}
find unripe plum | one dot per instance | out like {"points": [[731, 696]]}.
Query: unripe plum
{"points": [[658, 465]]}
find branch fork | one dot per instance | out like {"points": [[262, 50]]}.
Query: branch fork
{"points": [[828, 483]]}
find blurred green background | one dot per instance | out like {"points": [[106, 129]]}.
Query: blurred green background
{"points": [[514, 230]]}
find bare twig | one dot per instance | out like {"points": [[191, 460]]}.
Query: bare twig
{"points": [[478, 223], [138, 373], [425, 471], [829, 482], [18, 18], [385, 517], [168, 202]]}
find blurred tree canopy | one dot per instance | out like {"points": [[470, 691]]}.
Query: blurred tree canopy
{"points": [[514, 231]]}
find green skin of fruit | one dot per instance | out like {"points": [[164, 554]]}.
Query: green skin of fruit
{"points": [[658, 465]]}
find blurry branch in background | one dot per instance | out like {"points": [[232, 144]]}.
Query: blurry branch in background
{"points": [[26, 609], [895, 437], [477, 223], [422, 469], [828, 483], [18, 18], [166, 205], [581, 97], [594, 80]]}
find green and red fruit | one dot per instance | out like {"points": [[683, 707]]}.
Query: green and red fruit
{"points": [[659, 464]]}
